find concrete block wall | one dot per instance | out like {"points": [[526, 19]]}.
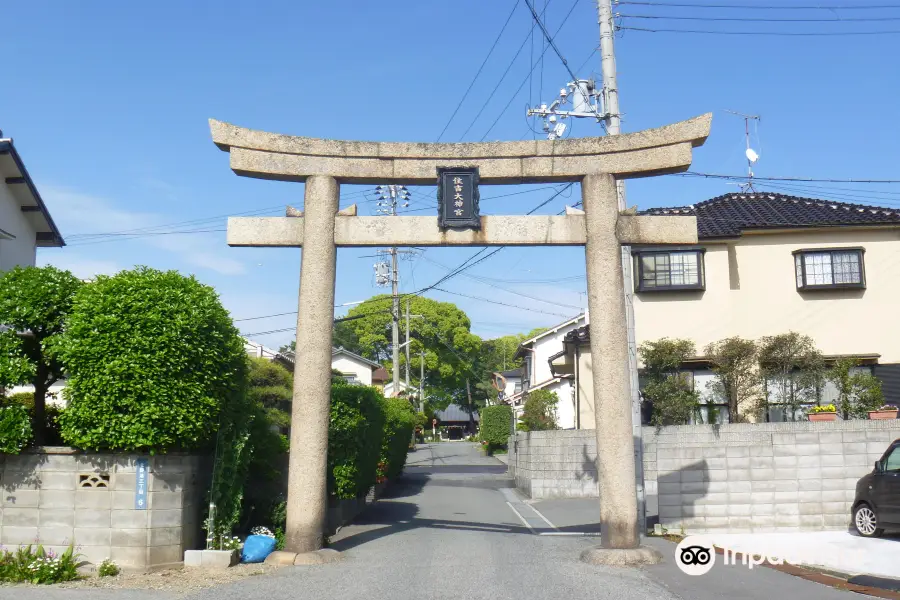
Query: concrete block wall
{"points": [[736, 477], [57, 496], [555, 464], [760, 477]]}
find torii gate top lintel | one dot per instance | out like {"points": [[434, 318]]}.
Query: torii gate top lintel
{"points": [[293, 158]]}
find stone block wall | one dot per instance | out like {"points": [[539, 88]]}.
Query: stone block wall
{"points": [[555, 464], [736, 477], [58, 496]]}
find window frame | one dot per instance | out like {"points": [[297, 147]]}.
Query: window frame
{"points": [[639, 286], [806, 287]]}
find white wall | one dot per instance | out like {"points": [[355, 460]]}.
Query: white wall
{"points": [[348, 365], [20, 251], [546, 347]]}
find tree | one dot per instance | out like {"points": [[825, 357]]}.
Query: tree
{"points": [[669, 391], [539, 412], [444, 333], [793, 369], [34, 304], [154, 361], [858, 392], [272, 387], [736, 367]]}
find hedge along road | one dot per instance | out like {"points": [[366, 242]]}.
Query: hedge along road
{"points": [[446, 530]]}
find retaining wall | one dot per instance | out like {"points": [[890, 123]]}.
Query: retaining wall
{"points": [[736, 477], [57, 496]]}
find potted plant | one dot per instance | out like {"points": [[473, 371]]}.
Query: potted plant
{"points": [[885, 412], [826, 412]]}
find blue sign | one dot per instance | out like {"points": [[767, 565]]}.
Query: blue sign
{"points": [[140, 483]]}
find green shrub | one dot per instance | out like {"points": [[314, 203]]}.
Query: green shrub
{"points": [[15, 428], [108, 569], [669, 391], [34, 564], [153, 358], [52, 412], [495, 424], [539, 413], [354, 439], [398, 428]]}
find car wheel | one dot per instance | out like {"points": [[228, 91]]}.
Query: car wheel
{"points": [[865, 521]]}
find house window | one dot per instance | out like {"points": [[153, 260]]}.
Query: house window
{"points": [[667, 270], [830, 269]]}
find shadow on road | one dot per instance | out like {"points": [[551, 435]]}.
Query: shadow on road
{"points": [[401, 516]]}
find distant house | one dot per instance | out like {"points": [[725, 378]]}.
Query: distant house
{"points": [[25, 222], [380, 377], [537, 354], [257, 350], [352, 367], [388, 388], [457, 421], [766, 264]]}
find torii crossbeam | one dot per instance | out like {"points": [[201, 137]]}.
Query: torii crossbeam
{"points": [[594, 162]]}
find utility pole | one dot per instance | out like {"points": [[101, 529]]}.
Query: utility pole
{"points": [[422, 381], [389, 196], [407, 347], [612, 119]]}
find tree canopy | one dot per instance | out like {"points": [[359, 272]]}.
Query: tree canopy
{"points": [[34, 303], [451, 350]]}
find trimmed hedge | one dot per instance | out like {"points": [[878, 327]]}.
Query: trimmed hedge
{"points": [[399, 422], [495, 423], [354, 439], [153, 359]]}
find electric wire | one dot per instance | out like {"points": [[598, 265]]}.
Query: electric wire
{"points": [[480, 69]]}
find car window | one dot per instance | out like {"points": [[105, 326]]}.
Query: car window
{"points": [[892, 462]]}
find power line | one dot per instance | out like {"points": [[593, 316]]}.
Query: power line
{"points": [[500, 303], [533, 66], [762, 7], [496, 87], [488, 282], [775, 33], [760, 20], [810, 179], [484, 62]]}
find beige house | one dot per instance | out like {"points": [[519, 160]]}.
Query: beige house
{"points": [[768, 264]]}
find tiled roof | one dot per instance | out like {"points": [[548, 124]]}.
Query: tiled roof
{"points": [[580, 335], [454, 413], [730, 214]]}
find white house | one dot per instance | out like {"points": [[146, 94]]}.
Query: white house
{"points": [[25, 222], [353, 367], [537, 354]]}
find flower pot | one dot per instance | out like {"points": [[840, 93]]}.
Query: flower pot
{"points": [[822, 416], [877, 415]]}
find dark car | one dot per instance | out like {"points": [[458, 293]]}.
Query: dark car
{"points": [[877, 503]]}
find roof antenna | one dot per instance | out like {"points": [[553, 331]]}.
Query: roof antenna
{"points": [[751, 154]]}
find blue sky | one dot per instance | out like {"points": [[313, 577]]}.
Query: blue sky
{"points": [[108, 104]]}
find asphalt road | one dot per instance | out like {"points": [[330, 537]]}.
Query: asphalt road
{"points": [[448, 530]]}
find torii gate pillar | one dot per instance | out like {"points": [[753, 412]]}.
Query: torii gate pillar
{"points": [[594, 162], [307, 501]]}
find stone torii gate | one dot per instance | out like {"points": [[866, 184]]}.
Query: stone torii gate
{"points": [[594, 162]]}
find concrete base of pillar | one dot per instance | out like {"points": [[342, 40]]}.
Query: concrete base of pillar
{"points": [[624, 557], [281, 558], [318, 557]]}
